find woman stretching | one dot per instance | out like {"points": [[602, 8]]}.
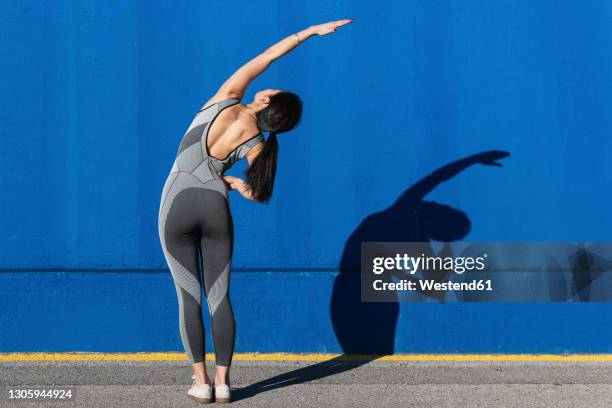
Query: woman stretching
{"points": [[195, 222]]}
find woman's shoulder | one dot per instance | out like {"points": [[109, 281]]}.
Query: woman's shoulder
{"points": [[218, 98]]}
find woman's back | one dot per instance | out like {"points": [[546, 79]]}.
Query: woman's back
{"points": [[231, 127], [194, 154]]}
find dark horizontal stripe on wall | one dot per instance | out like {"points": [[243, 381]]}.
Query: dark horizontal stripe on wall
{"points": [[160, 270]]}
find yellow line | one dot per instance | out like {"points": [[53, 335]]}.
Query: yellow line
{"points": [[302, 357]]}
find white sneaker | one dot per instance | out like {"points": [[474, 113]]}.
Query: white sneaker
{"points": [[200, 392], [222, 393]]}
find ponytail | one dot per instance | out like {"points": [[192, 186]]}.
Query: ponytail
{"points": [[281, 115], [261, 173]]}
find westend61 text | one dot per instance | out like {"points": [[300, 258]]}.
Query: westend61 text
{"points": [[429, 285]]}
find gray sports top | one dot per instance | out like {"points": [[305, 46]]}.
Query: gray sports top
{"points": [[193, 156]]}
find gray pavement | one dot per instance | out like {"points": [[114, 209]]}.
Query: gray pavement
{"points": [[331, 384]]}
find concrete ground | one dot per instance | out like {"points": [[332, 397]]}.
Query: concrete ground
{"points": [[330, 384]]}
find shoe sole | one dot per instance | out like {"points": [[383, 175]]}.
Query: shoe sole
{"points": [[222, 400], [200, 400]]}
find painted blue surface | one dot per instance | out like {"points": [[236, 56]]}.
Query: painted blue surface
{"points": [[132, 312], [96, 96]]}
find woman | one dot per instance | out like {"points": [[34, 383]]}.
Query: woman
{"points": [[194, 214]]}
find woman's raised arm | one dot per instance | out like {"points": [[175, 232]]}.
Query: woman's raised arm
{"points": [[235, 86]]}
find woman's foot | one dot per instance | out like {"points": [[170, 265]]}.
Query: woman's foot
{"points": [[222, 393], [200, 392], [221, 384]]}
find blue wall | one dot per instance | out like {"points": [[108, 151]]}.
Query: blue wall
{"points": [[96, 95]]}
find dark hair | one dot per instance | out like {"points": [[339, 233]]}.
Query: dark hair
{"points": [[282, 114]]}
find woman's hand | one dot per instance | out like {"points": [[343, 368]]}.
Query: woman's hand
{"points": [[327, 28], [239, 185]]}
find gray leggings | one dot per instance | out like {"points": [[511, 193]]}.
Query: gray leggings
{"points": [[197, 226]]}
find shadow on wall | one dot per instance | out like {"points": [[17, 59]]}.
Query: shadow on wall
{"points": [[369, 328], [409, 219]]}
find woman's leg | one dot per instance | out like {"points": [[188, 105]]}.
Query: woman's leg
{"points": [[180, 237], [217, 246]]}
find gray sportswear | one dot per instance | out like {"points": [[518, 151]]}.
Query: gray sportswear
{"points": [[196, 234]]}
